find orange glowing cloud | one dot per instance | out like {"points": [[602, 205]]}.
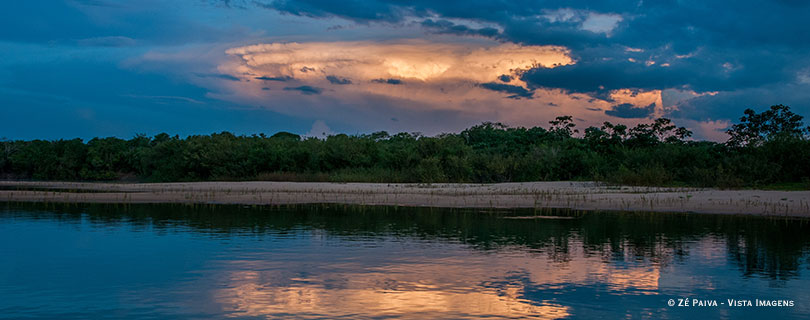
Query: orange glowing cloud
{"points": [[408, 61], [412, 75], [412, 85], [407, 85]]}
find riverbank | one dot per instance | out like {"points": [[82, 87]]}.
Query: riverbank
{"points": [[573, 195]]}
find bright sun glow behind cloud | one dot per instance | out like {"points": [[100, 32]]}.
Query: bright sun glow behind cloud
{"points": [[415, 85], [388, 82], [411, 60]]}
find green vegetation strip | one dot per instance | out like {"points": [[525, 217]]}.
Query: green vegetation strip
{"points": [[765, 150]]}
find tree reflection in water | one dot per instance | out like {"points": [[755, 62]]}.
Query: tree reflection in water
{"points": [[772, 247]]}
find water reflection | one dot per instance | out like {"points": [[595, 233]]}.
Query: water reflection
{"points": [[388, 262], [251, 296]]}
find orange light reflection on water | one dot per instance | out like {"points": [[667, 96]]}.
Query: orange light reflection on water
{"points": [[469, 286]]}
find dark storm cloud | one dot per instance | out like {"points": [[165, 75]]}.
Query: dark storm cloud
{"points": [[448, 27], [338, 80], [307, 90], [649, 23], [736, 48], [280, 79], [729, 105], [628, 111], [357, 10], [712, 73], [516, 92], [387, 81]]}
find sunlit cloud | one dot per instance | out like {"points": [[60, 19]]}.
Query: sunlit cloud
{"points": [[407, 60], [408, 81], [459, 84], [417, 85]]}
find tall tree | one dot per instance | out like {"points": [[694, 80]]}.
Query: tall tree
{"points": [[756, 128]]}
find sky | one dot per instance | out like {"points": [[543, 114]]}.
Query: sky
{"points": [[86, 68]]}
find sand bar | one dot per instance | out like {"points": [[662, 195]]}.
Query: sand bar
{"points": [[574, 195]]}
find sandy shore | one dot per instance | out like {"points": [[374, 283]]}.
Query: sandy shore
{"points": [[574, 195]]}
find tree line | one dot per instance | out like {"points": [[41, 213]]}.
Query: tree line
{"points": [[767, 148]]}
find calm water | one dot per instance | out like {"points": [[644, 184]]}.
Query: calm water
{"points": [[166, 262]]}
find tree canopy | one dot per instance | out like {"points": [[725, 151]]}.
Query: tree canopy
{"points": [[771, 147], [755, 128]]}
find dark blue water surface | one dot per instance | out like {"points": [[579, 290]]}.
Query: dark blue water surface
{"points": [[183, 262]]}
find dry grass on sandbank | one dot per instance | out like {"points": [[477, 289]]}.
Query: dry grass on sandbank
{"points": [[573, 195]]}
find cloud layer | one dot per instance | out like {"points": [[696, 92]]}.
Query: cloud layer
{"points": [[399, 85], [431, 65], [413, 60], [730, 51]]}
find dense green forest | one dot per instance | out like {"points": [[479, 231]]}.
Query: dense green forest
{"points": [[764, 149]]}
